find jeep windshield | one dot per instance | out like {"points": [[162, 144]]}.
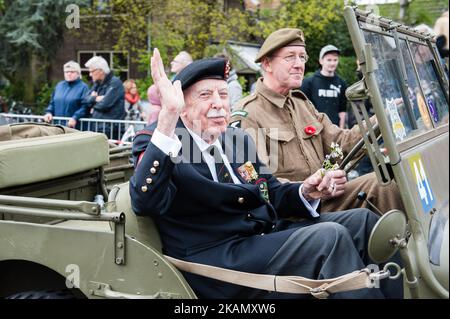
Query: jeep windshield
{"points": [[410, 80]]}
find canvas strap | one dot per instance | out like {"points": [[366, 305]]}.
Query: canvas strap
{"points": [[289, 284]]}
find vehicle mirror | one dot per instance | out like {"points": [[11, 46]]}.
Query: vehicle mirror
{"points": [[390, 225]]}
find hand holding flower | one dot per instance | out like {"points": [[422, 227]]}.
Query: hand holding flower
{"points": [[330, 162], [328, 181]]}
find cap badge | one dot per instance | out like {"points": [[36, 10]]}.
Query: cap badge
{"points": [[227, 70]]}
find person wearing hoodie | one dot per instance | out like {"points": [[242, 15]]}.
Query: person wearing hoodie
{"points": [[325, 89]]}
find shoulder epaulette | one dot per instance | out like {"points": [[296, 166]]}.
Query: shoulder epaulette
{"points": [[249, 99], [299, 94]]}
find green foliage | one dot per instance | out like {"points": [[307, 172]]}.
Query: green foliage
{"points": [[30, 26], [43, 97], [14, 92], [347, 69], [419, 11], [175, 25], [30, 33], [243, 82], [142, 86], [321, 21]]}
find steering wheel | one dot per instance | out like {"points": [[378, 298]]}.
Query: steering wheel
{"points": [[355, 153]]}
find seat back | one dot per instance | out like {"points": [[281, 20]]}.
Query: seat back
{"points": [[30, 160]]}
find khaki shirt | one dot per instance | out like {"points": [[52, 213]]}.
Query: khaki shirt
{"points": [[280, 124]]}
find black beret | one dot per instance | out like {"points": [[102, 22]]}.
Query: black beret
{"points": [[211, 68]]}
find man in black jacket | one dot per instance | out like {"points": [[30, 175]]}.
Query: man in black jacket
{"points": [[106, 97], [215, 203], [325, 89]]}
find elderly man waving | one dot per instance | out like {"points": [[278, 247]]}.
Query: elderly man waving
{"points": [[215, 203]]}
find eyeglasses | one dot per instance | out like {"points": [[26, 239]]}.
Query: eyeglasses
{"points": [[292, 57], [90, 72]]}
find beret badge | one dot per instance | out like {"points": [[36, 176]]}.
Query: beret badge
{"points": [[227, 70]]}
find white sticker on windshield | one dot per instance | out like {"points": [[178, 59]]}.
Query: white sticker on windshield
{"points": [[397, 124]]}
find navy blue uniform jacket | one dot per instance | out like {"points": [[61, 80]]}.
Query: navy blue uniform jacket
{"points": [[200, 220]]}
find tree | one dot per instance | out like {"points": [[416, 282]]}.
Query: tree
{"points": [[175, 25], [30, 33]]}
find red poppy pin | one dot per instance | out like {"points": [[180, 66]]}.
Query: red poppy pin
{"points": [[310, 130]]}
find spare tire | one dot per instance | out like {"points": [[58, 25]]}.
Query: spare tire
{"points": [[43, 294]]}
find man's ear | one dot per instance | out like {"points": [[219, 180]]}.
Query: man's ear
{"points": [[266, 66], [321, 62], [183, 112]]}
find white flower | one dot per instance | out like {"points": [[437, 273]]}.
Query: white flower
{"points": [[330, 160]]}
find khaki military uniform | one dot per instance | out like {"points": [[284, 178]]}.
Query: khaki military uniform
{"points": [[293, 138]]}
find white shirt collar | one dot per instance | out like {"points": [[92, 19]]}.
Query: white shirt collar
{"points": [[202, 145]]}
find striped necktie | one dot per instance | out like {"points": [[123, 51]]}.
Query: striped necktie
{"points": [[223, 175]]}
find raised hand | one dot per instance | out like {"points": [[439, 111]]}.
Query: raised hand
{"points": [[171, 96]]}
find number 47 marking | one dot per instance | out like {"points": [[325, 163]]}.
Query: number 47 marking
{"points": [[422, 179], [423, 186]]}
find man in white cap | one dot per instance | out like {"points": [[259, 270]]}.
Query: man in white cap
{"points": [[325, 89], [66, 100]]}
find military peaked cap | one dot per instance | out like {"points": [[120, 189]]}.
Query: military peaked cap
{"points": [[279, 39], [211, 68]]}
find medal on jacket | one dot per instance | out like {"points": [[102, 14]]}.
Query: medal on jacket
{"points": [[263, 188], [248, 172]]}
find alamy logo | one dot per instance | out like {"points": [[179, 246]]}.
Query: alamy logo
{"points": [[73, 277], [334, 91], [73, 19], [373, 282]]}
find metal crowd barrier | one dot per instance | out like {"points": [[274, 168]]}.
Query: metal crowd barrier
{"points": [[120, 130]]}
